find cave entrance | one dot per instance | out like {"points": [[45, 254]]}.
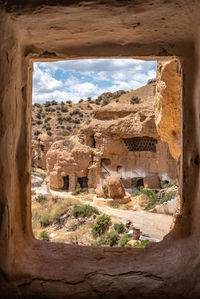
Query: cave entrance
{"points": [[140, 183], [83, 182], [66, 182]]}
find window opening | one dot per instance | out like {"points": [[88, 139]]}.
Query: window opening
{"points": [[73, 177], [141, 144], [83, 182]]}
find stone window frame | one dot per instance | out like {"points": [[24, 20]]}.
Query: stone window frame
{"points": [[30, 266], [83, 264]]}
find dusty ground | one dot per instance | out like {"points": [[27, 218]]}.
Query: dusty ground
{"points": [[155, 225]]}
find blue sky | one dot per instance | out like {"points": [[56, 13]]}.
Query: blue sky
{"points": [[79, 79]]}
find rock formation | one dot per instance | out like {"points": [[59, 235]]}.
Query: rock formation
{"points": [[115, 187], [120, 140], [167, 104]]}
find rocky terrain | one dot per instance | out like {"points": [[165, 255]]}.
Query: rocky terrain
{"points": [[106, 146]]}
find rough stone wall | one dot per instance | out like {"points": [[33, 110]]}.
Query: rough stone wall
{"points": [[40, 148], [33, 30], [167, 106]]}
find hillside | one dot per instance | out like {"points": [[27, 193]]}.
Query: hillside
{"points": [[53, 121]]}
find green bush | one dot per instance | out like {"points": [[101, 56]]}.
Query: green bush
{"points": [[56, 217], [105, 189], [136, 192], [64, 109], [119, 227], [109, 239], [44, 236], [168, 196], [114, 205], [76, 191], [135, 100], [141, 244], [80, 101], [169, 184], [124, 240], [84, 211], [101, 225], [40, 198], [45, 220]]}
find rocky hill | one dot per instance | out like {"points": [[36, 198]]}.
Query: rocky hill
{"points": [[54, 121]]}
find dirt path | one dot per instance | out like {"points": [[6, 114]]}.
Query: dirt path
{"points": [[155, 225]]}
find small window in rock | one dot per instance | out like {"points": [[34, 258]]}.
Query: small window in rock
{"points": [[66, 182], [140, 183], [93, 142], [83, 182], [141, 144], [105, 162], [119, 168], [42, 147]]}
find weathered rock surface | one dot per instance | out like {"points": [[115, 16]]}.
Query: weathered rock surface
{"points": [[115, 187], [168, 105]]}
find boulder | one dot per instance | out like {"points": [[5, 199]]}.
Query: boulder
{"points": [[100, 192], [115, 187]]}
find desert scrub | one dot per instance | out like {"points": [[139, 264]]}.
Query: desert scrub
{"points": [[169, 184], [141, 244], [119, 227], [168, 196], [45, 220], [114, 205], [84, 211], [135, 100], [124, 240], [76, 191], [44, 236], [109, 239], [105, 190], [101, 225], [40, 198]]}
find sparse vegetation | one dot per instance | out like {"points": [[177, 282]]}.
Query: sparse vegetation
{"points": [[114, 205], [140, 244], [135, 100], [168, 196], [119, 227], [109, 239], [124, 240], [170, 183], [76, 191], [105, 189], [44, 236], [84, 211], [101, 225], [40, 198], [45, 220]]}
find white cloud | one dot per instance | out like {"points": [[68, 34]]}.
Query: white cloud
{"points": [[88, 78]]}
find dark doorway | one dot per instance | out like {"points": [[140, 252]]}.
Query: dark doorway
{"points": [[66, 182], [83, 182], [140, 183]]}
